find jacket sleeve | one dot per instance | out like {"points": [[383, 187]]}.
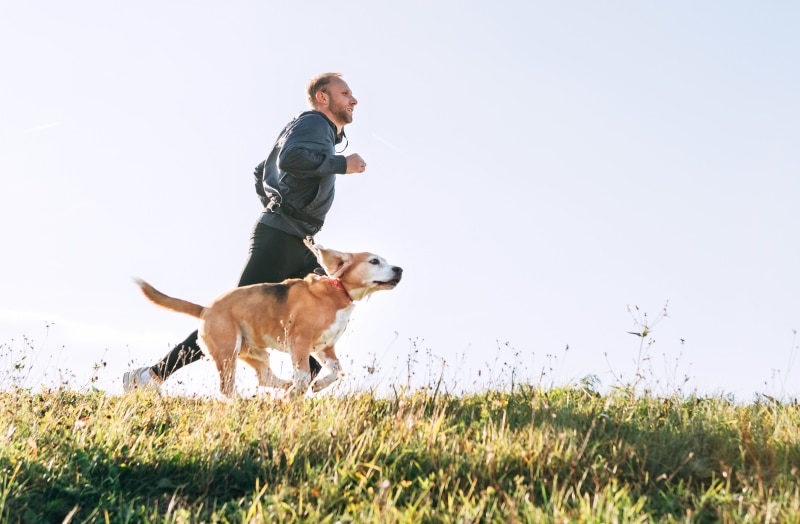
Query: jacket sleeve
{"points": [[258, 178], [309, 150]]}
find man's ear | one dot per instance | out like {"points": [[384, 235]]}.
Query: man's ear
{"points": [[322, 98]]}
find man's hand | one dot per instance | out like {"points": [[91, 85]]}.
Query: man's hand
{"points": [[355, 164]]}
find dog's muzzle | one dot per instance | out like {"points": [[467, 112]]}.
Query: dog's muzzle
{"points": [[398, 274]]}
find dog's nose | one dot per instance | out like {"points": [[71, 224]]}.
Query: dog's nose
{"points": [[398, 271]]}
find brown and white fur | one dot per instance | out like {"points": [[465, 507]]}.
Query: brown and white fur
{"points": [[298, 316]]}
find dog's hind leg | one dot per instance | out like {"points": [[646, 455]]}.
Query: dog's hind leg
{"points": [[227, 376], [223, 345]]}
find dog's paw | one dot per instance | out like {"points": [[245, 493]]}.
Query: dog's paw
{"points": [[276, 383], [323, 382]]}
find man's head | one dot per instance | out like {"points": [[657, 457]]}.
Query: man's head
{"points": [[330, 95]]}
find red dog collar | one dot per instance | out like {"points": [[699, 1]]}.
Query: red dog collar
{"points": [[335, 282]]}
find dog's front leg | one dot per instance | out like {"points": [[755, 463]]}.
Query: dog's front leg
{"points": [[266, 378], [332, 363], [302, 374], [300, 383]]}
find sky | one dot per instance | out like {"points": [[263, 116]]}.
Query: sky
{"points": [[552, 177]]}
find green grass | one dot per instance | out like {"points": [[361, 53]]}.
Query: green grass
{"points": [[531, 455]]}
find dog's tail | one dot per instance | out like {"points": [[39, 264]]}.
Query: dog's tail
{"points": [[175, 304]]}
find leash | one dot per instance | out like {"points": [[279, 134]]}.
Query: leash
{"points": [[292, 217]]}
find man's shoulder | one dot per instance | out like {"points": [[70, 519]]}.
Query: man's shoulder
{"points": [[313, 118], [308, 116], [310, 125]]}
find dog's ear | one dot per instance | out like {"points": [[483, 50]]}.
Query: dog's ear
{"points": [[334, 262]]}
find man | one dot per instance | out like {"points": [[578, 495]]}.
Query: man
{"points": [[296, 185]]}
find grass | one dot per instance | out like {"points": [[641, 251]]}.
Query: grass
{"points": [[514, 452], [525, 455]]}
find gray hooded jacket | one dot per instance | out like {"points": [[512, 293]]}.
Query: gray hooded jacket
{"points": [[299, 175]]}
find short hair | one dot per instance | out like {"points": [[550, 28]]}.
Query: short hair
{"points": [[317, 84]]}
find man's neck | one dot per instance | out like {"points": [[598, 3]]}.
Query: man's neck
{"points": [[330, 117]]}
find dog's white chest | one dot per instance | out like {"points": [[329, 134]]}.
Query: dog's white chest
{"points": [[336, 329]]}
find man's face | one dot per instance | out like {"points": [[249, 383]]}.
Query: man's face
{"points": [[341, 102]]}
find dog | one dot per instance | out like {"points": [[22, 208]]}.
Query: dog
{"points": [[297, 316]]}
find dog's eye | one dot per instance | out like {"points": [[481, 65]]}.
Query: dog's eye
{"points": [[374, 261]]}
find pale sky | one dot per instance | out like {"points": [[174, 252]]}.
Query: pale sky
{"points": [[535, 167]]}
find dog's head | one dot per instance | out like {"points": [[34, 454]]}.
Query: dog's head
{"points": [[360, 273]]}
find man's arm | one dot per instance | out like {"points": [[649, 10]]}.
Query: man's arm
{"points": [[308, 150]]}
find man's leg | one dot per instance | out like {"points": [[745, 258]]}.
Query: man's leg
{"points": [[275, 256], [184, 353]]}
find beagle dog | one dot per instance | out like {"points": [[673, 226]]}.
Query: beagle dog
{"points": [[297, 316]]}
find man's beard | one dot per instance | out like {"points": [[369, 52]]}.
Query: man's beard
{"points": [[342, 114]]}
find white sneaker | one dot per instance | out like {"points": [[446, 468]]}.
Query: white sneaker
{"points": [[142, 378]]}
